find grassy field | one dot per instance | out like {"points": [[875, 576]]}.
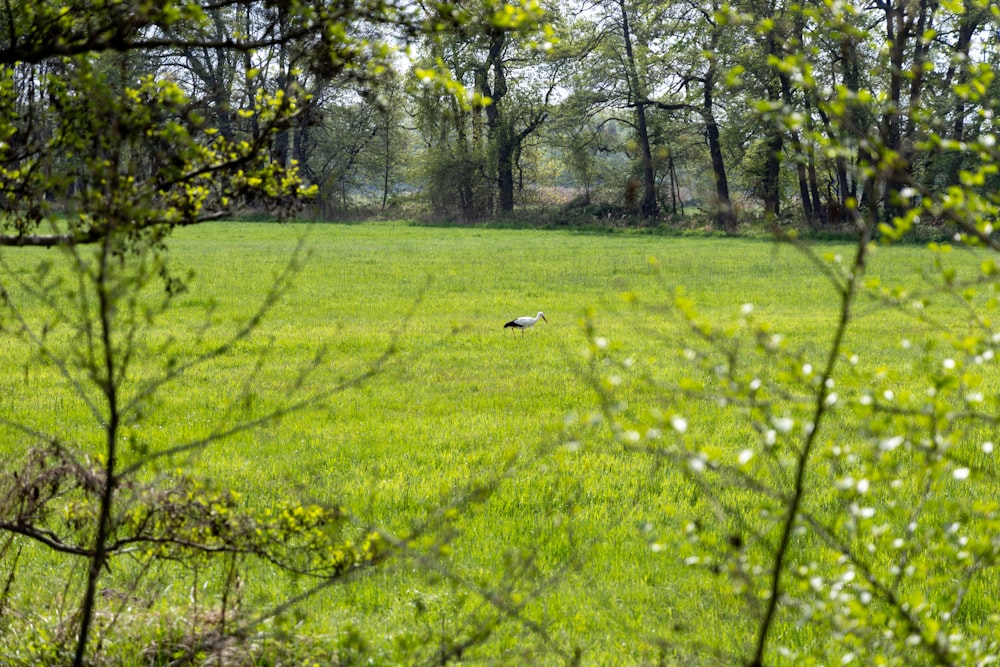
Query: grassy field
{"points": [[463, 400]]}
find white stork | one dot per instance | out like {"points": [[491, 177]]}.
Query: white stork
{"points": [[525, 322]]}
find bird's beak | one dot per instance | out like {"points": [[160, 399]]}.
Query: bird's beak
{"points": [[546, 320]]}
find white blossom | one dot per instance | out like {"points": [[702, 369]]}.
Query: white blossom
{"points": [[679, 424], [845, 483], [783, 424], [862, 512], [889, 444]]}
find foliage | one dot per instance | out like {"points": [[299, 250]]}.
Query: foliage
{"points": [[860, 498], [753, 93], [474, 140], [120, 123]]}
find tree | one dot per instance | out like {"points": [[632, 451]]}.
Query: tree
{"points": [[637, 98], [455, 169], [502, 76], [351, 148], [122, 122], [871, 484], [391, 141], [610, 83], [693, 85]]}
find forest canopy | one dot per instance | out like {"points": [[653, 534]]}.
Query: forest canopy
{"points": [[683, 112]]}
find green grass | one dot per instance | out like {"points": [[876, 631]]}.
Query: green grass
{"points": [[462, 399]]}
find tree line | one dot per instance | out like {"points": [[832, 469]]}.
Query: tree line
{"points": [[767, 109], [655, 110]]}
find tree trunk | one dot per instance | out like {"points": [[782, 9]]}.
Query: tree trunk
{"points": [[647, 207], [505, 168], [99, 552], [724, 216], [675, 188], [813, 181], [387, 161], [777, 89], [800, 170], [860, 119], [967, 28], [772, 176], [897, 36], [500, 133], [814, 186]]}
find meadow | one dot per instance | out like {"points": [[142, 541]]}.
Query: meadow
{"points": [[461, 401]]}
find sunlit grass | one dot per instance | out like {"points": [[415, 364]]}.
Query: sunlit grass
{"points": [[462, 400]]}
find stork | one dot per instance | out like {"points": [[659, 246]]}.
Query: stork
{"points": [[525, 322]]}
